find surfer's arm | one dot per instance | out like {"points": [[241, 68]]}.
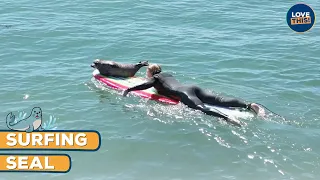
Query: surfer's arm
{"points": [[143, 86]]}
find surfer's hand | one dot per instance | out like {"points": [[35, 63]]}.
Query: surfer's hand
{"points": [[125, 92]]}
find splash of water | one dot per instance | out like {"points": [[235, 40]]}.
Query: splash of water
{"points": [[50, 125]]}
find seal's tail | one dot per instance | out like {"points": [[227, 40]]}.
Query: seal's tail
{"points": [[144, 63], [10, 119]]}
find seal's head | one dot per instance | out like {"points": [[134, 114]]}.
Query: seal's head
{"points": [[98, 63], [36, 112], [95, 63], [153, 69]]}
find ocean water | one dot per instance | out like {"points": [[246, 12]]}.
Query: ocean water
{"points": [[242, 49]]}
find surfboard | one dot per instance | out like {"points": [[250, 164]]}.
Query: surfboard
{"points": [[121, 83]]}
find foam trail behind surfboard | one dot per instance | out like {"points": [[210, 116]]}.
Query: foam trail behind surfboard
{"points": [[231, 112]]}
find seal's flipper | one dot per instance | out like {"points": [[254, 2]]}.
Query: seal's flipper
{"points": [[30, 129], [10, 118], [40, 128]]}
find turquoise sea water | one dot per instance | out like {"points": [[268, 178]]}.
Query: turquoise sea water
{"points": [[240, 49]]}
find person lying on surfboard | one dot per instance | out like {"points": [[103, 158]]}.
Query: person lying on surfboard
{"points": [[190, 95]]}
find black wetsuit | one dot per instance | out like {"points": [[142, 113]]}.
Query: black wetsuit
{"points": [[192, 96]]}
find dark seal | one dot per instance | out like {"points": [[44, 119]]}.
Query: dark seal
{"points": [[112, 68]]}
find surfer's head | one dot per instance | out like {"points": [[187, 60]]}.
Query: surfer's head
{"points": [[153, 69]]}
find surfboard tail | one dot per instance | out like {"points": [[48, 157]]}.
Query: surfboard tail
{"points": [[234, 121]]}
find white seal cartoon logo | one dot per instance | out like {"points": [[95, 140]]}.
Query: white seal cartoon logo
{"points": [[28, 124]]}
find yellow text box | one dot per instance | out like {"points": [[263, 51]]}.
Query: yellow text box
{"points": [[50, 140], [35, 163]]}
